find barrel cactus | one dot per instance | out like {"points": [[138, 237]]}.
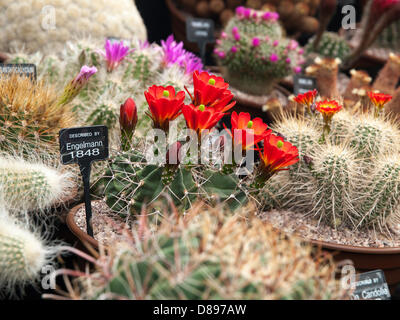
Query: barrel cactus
{"points": [[331, 45], [254, 52], [210, 254]]}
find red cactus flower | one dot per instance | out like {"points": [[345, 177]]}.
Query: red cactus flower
{"points": [[127, 119], [164, 105], [128, 115], [256, 128], [379, 99], [201, 118], [328, 109], [211, 91], [307, 98], [277, 155]]}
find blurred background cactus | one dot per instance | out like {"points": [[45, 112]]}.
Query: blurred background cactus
{"points": [[254, 52], [209, 254], [350, 180], [390, 37], [331, 45]]}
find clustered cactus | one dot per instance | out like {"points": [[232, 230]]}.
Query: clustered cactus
{"points": [[254, 52], [209, 254], [348, 178], [331, 45]]}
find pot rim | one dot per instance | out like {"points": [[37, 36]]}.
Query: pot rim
{"points": [[73, 227]]}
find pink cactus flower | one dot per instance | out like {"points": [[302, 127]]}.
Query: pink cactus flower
{"points": [[288, 60], [273, 57], [267, 16], [234, 49], [115, 53], [297, 69], [236, 36], [275, 43], [255, 42], [224, 35]]}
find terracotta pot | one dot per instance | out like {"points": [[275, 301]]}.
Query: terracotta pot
{"points": [[73, 227], [178, 22], [367, 259]]}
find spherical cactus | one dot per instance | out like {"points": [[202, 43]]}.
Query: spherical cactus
{"points": [[22, 255], [335, 169], [331, 46], [30, 119], [28, 186], [255, 53], [371, 136], [211, 254], [381, 192]]}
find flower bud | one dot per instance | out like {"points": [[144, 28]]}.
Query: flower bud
{"points": [[127, 119]]}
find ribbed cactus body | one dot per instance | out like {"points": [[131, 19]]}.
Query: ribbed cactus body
{"points": [[382, 191], [372, 136], [103, 115], [22, 255], [130, 183], [335, 171], [331, 45], [26, 186], [212, 254]]}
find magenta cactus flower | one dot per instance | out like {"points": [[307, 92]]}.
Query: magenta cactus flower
{"points": [[255, 42], [175, 54], [273, 57], [297, 69], [115, 53], [73, 88], [275, 43], [234, 49]]}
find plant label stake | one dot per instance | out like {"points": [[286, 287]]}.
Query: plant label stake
{"points": [[303, 83], [23, 69], [200, 31], [83, 146], [371, 286]]}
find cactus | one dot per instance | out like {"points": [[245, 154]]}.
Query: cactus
{"points": [[130, 182], [390, 37], [29, 117], [255, 52], [210, 254], [22, 255], [350, 180], [103, 115], [331, 46], [383, 189], [371, 136], [31, 186], [335, 170]]}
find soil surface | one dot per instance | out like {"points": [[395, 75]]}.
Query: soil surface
{"points": [[308, 228], [107, 226]]}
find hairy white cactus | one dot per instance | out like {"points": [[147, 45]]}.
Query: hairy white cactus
{"points": [[23, 254], [26, 186]]}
